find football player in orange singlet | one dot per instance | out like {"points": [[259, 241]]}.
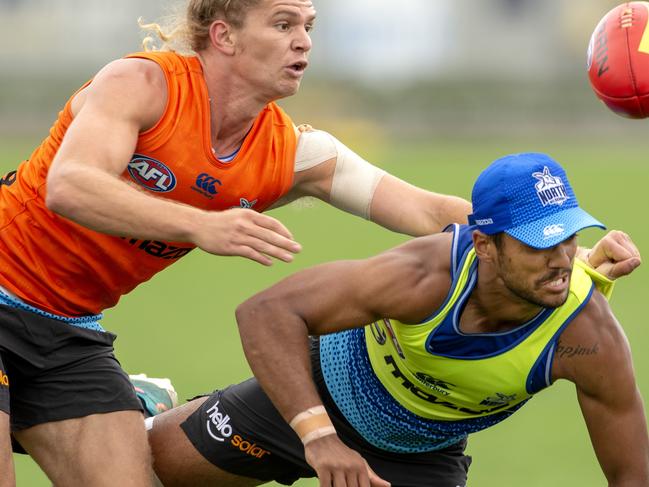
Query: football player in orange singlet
{"points": [[158, 154]]}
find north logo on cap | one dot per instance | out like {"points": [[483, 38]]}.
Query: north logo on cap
{"points": [[550, 189]]}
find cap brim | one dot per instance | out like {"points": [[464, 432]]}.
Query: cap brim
{"points": [[554, 229]]}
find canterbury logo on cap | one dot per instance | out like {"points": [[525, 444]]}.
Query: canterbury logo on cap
{"points": [[554, 230]]}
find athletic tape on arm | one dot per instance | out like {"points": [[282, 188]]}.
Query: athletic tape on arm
{"points": [[354, 179], [312, 424]]}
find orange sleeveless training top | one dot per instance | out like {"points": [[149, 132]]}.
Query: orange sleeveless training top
{"points": [[61, 267]]}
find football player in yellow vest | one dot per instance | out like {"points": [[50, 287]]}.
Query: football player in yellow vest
{"points": [[419, 347]]}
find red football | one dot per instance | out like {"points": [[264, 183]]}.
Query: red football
{"points": [[618, 60]]}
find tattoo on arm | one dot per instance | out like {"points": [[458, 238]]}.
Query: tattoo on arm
{"points": [[566, 351]]}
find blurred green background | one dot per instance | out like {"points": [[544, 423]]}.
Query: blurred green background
{"points": [[430, 90]]}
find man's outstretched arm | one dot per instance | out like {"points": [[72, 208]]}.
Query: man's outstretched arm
{"points": [[328, 170], [275, 325], [84, 183]]}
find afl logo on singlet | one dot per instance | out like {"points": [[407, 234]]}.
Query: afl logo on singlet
{"points": [[151, 174]]}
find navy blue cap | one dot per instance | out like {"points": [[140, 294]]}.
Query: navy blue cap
{"points": [[528, 196]]}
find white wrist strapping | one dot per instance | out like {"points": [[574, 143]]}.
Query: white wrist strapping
{"points": [[312, 424], [308, 413], [318, 433], [354, 179]]}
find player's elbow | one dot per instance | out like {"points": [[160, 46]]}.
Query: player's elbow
{"points": [[71, 189], [59, 196], [451, 209], [264, 318], [249, 315], [252, 319], [432, 212]]}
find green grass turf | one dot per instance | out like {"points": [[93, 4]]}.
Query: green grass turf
{"points": [[181, 324]]}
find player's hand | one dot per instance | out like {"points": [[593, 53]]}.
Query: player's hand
{"points": [[615, 255], [245, 233], [336, 465], [304, 127]]}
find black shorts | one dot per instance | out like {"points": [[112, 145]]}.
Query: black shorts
{"points": [[239, 430], [53, 371]]}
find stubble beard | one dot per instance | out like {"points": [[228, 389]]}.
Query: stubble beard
{"points": [[528, 294]]}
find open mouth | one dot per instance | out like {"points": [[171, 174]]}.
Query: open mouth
{"points": [[298, 68], [558, 283]]}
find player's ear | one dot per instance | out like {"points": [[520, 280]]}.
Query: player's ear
{"points": [[222, 37], [484, 245]]}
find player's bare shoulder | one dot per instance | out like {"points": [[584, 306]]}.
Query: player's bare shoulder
{"points": [[592, 345], [422, 267], [134, 88]]}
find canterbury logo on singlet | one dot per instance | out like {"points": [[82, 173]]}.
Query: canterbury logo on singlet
{"points": [[4, 380], [9, 179], [206, 185]]}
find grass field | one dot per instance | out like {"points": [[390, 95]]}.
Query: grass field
{"points": [[181, 324]]}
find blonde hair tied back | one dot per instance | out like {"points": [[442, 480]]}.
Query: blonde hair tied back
{"points": [[189, 30]]}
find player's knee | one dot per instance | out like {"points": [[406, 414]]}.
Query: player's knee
{"points": [[175, 460]]}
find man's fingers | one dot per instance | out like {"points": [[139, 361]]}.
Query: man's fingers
{"points": [[616, 246], [607, 251], [339, 479], [624, 268], [252, 254], [338, 465], [624, 240], [352, 480], [246, 233], [615, 255], [275, 239], [271, 224], [375, 480], [620, 250], [325, 479], [305, 127], [270, 250]]}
